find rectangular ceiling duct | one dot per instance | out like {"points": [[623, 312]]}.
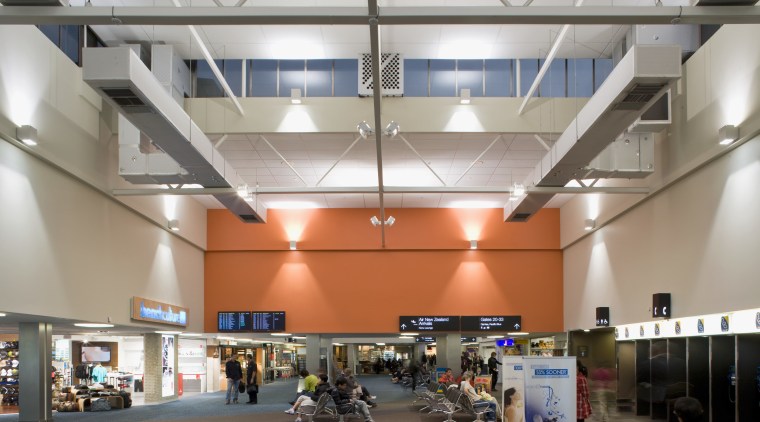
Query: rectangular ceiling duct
{"points": [[130, 87], [639, 80]]}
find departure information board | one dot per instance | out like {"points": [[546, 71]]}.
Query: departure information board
{"points": [[268, 322], [492, 323], [428, 323], [234, 321]]}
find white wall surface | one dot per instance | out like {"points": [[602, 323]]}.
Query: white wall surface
{"points": [[67, 248], [698, 236]]}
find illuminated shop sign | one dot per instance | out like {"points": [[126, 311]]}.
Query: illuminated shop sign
{"points": [[163, 313]]}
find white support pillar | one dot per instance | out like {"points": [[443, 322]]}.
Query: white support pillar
{"points": [[35, 389]]}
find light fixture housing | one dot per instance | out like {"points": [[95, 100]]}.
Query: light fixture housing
{"points": [[281, 334], [242, 190], [473, 244], [389, 222], [292, 245], [518, 333], [518, 190], [92, 325], [173, 225], [589, 224], [27, 134], [728, 134], [392, 129], [365, 130], [169, 333], [380, 344], [464, 96], [375, 221], [295, 96]]}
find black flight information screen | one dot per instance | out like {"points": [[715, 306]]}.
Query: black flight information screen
{"points": [[234, 322], [268, 322]]}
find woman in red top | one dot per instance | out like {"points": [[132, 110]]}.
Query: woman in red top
{"points": [[583, 406]]}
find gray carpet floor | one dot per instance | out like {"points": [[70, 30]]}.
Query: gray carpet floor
{"points": [[394, 405]]}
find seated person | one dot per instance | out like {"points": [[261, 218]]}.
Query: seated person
{"points": [[341, 395], [306, 384], [475, 398], [447, 378], [311, 398], [358, 391], [397, 375]]}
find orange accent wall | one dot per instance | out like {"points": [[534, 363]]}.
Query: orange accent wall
{"points": [[341, 281]]}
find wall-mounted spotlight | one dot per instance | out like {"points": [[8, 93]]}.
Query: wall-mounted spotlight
{"points": [[589, 224], [365, 130], [473, 244], [392, 129], [295, 96], [292, 245], [242, 190], [27, 134], [518, 190], [377, 222], [464, 96], [174, 225], [728, 134]]}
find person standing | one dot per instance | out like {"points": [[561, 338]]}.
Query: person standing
{"points": [[250, 380], [234, 373], [583, 405], [493, 369]]}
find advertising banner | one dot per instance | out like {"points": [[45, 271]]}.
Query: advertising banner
{"points": [[550, 389], [513, 377], [167, 366]]}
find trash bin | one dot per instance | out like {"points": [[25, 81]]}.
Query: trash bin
{"points": [[179, 384]]}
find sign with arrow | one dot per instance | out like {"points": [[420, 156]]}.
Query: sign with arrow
{"points": [[428, 323], [492, 323], [603, 316]]}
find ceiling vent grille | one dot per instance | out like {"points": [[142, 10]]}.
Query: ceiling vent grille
{"points": [[128, 100], [639, 96], [391, 71]]}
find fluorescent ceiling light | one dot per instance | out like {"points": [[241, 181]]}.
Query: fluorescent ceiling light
{"points": [[169, 332], [495, 337], [281, 334], [92, 325], [338, 344], [406, 338], [191, 334], [299, 337], [224, 338], [518, 333], [409, 334], [586, 330]]}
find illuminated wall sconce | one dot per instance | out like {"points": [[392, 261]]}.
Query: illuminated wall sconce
{"points": [[589, 224], [365, 130], [27, 134], [473, 244], [518, 190], [295, 96], [174, 225], [728, 134], [464, 96], [292, 245]]}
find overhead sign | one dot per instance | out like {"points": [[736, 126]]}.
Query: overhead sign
{"points": [[428, 323], [661, 305], [469, 339], [603, 316], [163, 313], [492, 323], [424, 339]]}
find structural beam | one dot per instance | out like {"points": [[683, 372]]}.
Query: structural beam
{"points": [[305, 190], [590, 15], [377, 91]]}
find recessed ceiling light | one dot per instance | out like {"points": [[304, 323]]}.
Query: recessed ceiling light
{"points": [[380, 344], [281, 334], [518, 333], [191, 334], [299, 337], [409, 334], [92, 325], [171, 333], [495, 336]]}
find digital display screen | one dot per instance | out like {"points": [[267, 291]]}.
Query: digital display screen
{"points": [[93, 354], [492, 323], [268, 322], [428, 323], [230, 322]]}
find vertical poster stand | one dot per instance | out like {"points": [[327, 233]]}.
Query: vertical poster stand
{"points": [[550, 389], [512, 376]]}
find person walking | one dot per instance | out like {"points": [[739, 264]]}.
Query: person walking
{"points": [[234, 373], [583, 405], [252, 387], [493, 369]]}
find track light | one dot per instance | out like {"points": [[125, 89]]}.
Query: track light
{"points": [[728, 134], [377, 222], [365, 130], [295, 96], [589, 224], [242, 190], [392, 129], [518, 190], [27, 134], [174, 225], [389, 222]]}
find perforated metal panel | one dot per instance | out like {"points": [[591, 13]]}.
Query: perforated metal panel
{"points": [[391, 75]]}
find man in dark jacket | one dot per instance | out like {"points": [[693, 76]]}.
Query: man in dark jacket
{"points": [[493, 370], [250, 380], [345, 404], [234, 373]]}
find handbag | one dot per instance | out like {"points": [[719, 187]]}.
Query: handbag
{"points": [[252, 388], [241, 387]]}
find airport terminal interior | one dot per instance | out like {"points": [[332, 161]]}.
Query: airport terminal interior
{"points": [[208, 205]]}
